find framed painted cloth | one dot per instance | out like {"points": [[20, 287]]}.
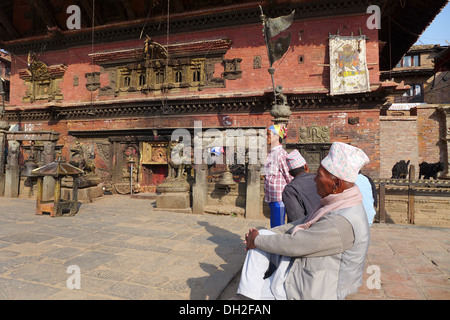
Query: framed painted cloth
{"points": [[348, 66]]}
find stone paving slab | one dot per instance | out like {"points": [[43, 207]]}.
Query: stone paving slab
{"points": [[124, 248], [127, 249]]}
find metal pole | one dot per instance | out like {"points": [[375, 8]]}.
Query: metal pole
{"points": [[266, 40], [382, 203], [410, 214], [131, 178]]}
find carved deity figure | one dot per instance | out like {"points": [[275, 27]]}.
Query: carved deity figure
{"points": [[177, 160], [280, 95], [77, 157], [13, 153]]}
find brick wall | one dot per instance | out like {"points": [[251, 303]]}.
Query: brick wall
{"points": [[398, 141], [365, 134], [311, 75], [431, 128], [247, 42]]}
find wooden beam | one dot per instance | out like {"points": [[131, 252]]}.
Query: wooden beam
{"points": [[410, 215], [129, 9], [8, 26], [45, 12], [86, 6], [382, 203]]}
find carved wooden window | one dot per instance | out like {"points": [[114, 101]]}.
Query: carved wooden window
{"points": [[232, 69], [142, 80], [42, 90], [196, 76], [159, 77], [153, 69], [178, 76], [126, 81], [42, 81]]}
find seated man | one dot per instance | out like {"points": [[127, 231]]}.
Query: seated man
{"points": [[323, 256], [300, 196]]}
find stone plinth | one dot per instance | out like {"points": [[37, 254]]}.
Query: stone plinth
{"points": [[173, 200], [12, 179], [84, 194]]}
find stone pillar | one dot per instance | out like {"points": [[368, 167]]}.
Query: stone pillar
{"points": [[253, 203], [12, 176], [446, 139], [199, 189], [2, 159], [49, 182]]}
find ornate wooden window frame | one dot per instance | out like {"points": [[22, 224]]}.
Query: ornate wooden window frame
{"points": [[42, 81], [189, 65]]}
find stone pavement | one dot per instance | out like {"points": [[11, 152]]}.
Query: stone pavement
{"points": [[413, 263], [122, 248]]}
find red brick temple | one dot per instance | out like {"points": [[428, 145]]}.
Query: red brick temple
{"points": [[115, 88]]}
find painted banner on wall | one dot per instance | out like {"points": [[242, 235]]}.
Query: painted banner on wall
{"points": [[348, 66]]}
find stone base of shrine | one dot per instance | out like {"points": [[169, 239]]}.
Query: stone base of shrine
{"points": [[84, 194], [173, 200]]}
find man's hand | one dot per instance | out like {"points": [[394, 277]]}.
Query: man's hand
{"points": [[250, 239]]}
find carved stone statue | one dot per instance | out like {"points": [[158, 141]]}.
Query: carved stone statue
{"points": [[175, 181], [177, 159], [78, 159], [279, 93], [13, 153], [281, 112]]}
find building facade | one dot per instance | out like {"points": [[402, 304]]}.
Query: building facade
{"points": [[5, 72], [417, 69], [117, 87], [415, 118]]}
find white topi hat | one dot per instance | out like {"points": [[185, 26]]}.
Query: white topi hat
{"points": [[344, 161]]}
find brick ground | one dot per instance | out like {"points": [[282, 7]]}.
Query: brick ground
{"points": [[126, 249]]}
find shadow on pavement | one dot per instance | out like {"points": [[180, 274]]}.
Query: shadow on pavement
{"points": [[231, 250]]}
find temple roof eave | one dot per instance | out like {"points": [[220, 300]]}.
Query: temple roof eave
{"points": [[236, 102]]}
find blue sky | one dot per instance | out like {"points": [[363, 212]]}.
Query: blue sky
{"points": [[439, 29]]}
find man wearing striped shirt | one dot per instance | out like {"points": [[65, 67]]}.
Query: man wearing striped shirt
{"points": [[276, 174]]}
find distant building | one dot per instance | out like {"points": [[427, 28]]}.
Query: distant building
{"points": [[5, 73], [441, 91], [414, 122], [417, 69]]}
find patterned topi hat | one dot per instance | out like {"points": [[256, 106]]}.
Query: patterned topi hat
{"points": [[344, 161], [295, 160]]}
